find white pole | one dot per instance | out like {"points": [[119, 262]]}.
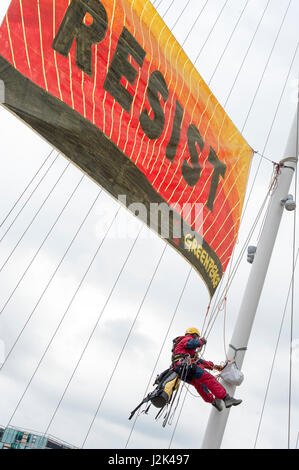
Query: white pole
{"points": [[217, 420]]}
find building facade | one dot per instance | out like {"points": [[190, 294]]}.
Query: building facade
{"points": [[13, 438]]}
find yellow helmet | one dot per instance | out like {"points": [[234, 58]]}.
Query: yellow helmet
{"points": [[192, 331]]}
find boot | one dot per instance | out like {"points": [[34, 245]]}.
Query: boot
{"points": [[218, 404], [231, 401]]}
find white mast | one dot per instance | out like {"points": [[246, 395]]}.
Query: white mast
{"points": [[217, 421]]}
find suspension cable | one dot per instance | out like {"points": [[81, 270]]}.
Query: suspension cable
{"points": [[269, 133], [64, 315], [247, 52], [94, 328], [274, 355], [235, 268], [195, 22], [293, 286], [161, 349], [33, 219], [229, 40], [255, 95], [52, 277], [29, 197], [275, 115], [28, 185], [125, 343], [156, 4], [211, 30], [42, 244], [267, 63], [260, 212], [167, 8], [180, 16]]}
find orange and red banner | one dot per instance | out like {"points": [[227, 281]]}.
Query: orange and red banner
{"points": [[108, 85]]}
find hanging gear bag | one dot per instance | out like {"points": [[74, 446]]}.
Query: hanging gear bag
{"points": [[231, 374]]}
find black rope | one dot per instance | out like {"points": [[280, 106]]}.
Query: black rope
{"points": [[178, 419], [183, 379]]}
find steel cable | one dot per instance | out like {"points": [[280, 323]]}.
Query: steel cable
{"points": [[29, 197], [27, 186], [42, 244], [161, 349], [125, 343], [63, 317], [52, 277], [94, 328], [33, 219], [274, 356]]}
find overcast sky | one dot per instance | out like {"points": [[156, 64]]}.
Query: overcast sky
{"points": [[21, 154]]}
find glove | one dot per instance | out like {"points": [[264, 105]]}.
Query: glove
{"points": [[208, 365], [217, 367], [203, 340]]}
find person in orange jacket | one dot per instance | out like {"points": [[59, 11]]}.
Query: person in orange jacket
{"points": [[185, 351]]}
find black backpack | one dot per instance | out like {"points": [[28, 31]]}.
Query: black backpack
{"points": [[166, 383]]}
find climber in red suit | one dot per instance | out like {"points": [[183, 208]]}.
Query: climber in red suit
{"points": [[205, 383]]}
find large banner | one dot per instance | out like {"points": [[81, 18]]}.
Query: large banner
{"points": [[108, 85]]}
